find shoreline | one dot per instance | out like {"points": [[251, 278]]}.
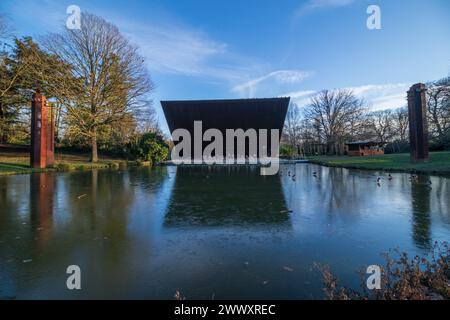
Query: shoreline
{"points": [[9, 169], [15, 159], [438, 164]]}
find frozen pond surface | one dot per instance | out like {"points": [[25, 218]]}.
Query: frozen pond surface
{"points": [[209, 232]]}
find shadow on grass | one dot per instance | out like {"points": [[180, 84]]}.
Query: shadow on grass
{"points": [[7, 165]]}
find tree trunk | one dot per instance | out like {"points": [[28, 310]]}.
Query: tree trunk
{"points": [[3, 135], [94, 156], [57, 120]]}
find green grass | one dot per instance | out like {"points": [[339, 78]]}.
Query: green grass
{"points": [[18, 163], [438, 163], [8, 168]]}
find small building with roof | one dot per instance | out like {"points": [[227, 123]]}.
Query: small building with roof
{"points": [[365, 148]]}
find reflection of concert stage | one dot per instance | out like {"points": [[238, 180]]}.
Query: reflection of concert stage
{"points": [[225, 196]]}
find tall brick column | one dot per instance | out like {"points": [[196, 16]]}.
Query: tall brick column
{"points": [[42, 132], [418, 126], [50, 130]]}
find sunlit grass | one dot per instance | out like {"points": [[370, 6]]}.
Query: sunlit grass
{"points": [[439, 162], [11, 163]]}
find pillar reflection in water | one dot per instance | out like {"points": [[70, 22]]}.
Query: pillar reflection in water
{"points": [[42, 186], [421, 219]]}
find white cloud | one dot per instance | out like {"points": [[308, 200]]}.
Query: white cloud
{"points": [[171, 49], [385, 96], [319, 4], [273, 80], [182, 50], [377, 97], [169, 46], [301, 98], [315, 5]]}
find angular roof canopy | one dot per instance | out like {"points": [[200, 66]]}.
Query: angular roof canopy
{"points": [[244, 114]]}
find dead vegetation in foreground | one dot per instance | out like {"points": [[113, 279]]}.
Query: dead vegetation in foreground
{"points": [[402, 278]]}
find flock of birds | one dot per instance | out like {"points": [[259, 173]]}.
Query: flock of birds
{"points": [[414, 178], [293, 175]]}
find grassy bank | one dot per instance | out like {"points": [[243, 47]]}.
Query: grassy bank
{"points": [[439, 163], [18, 163]]}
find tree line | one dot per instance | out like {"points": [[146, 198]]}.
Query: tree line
{"points": [[94, 78], [100, 89], [334, 117]]}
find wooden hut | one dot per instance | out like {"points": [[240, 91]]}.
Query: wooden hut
{"points": [[365, 148]]}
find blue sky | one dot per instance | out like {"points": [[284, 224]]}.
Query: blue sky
{"points": [[205, 49]]}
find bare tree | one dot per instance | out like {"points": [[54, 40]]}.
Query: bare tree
{"points": [[150, 123], [380, 125], [292, 126], [401, 123], [114, 80], [438, 105], [307, 138], [335, 115]]}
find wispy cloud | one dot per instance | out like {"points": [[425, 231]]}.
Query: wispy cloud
{"points": [[301, 98], [316, 5], [183, 50], [385, 96], [172, 49], [274, 80], [320, 4], [169, 46], [377, 97], [50, 15]]}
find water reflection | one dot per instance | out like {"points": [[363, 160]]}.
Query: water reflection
{"points": [[99, 200], [421, 211], [42, 192], [227, 231], [440, 200], [212, 196]]}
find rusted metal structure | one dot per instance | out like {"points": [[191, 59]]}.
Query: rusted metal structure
{"points": [[418, 127], [365, 148], [243, 114], [42, 133]]}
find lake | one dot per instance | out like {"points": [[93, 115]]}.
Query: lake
{"points": [[209, 232]]}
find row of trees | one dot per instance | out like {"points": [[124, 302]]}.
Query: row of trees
{"points": [[96, 80], [334, 117]]}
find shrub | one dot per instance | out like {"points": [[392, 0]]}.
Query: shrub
{"points": [[397, 146], [153, 148], [440, 143], [287, 151], [402, 278], [65, 167], [113, 165]]}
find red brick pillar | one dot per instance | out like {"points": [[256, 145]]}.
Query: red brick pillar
{"points": [[42, 132], [50, 130], [38, 131], [418, 125]]}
